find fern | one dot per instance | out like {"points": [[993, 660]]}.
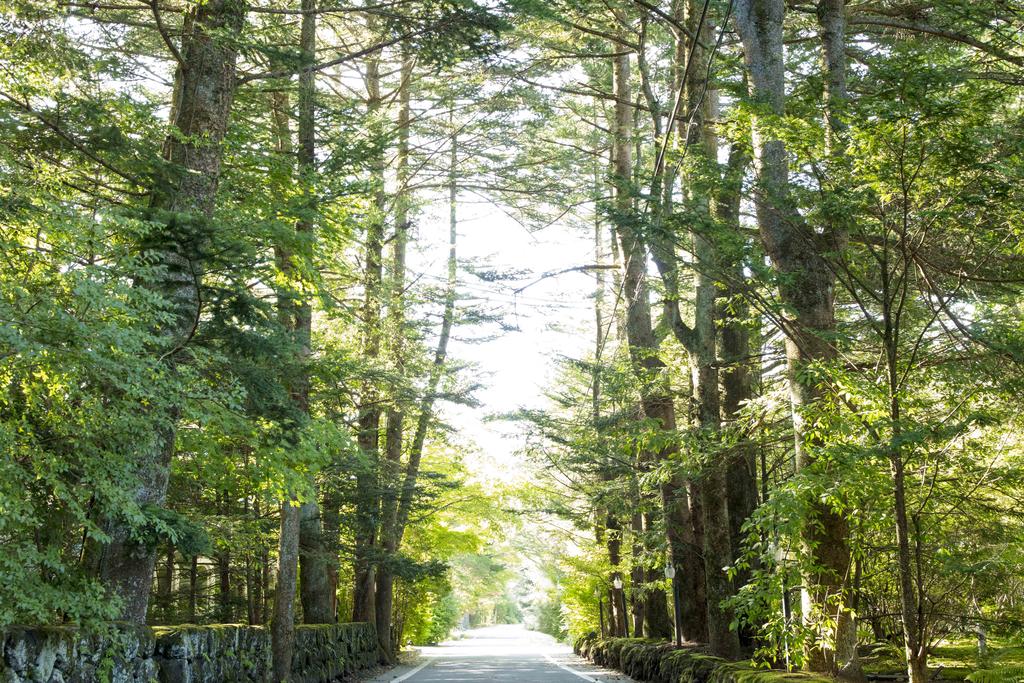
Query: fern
{"points": [[1005, 674]]}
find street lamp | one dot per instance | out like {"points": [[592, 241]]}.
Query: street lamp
{"points": [[617, 583]]}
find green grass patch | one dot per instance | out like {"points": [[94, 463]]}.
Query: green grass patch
{"points": [[958, 657]]}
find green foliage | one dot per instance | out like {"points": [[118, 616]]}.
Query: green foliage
{"points": [[913, 205], [1009, 674], [549, 617], [168, 526]]}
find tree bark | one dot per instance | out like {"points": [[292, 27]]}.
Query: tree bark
{"points": [[187, 187], [368, 507], [656, 400], [260, 570], [702, 103], [806, 286], [224, 599], [394, 434], [613, 532], [251, 604], [657, 620], [300, 534], [193, 588], [735, 356], [282, 624], [738, 372], [699, 341], [684, 551], [637, 576], [316, 559]]}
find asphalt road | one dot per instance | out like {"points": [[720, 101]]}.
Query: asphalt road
{"points": [[500, 653]]}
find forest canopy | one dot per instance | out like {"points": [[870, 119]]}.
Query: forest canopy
{"points": [[233, 303]]}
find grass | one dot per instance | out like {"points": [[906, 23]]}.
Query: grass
{"points": [[958, 657]]}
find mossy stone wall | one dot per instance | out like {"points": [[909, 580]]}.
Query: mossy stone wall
{"points": [[325, 653], [204, 654], [58, 654], [655, 661], [221, 653]]}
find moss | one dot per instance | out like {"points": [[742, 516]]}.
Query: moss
{"points": [[182, 652], [207, 628], [958, 657], [661, 662]]}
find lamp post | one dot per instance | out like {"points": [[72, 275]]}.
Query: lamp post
{"points": [[670, 574], [600, 610]]}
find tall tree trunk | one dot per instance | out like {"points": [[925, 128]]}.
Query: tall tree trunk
{"points": [[736, 360], [806, 287], [297, 313], [700, 344], [893, 292], [224, 599], [317, 561], [193, 588], [204, 90], [734, 351], [701, 141], [684, 522], [639, 332], [832, 21], [685, 555], [656, 401], [714, 501], [251, 582], [637, 576], [282, 623], [612, 531], [266, 607], [394, 434], [368, 507], [910, 606], [699, 341], [657, 620], [426, 406], [260, 571]]}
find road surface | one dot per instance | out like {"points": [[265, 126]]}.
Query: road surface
{"points": [[500, 653]]}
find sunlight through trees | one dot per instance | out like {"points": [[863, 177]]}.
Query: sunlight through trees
{"points": [[237, 306]]}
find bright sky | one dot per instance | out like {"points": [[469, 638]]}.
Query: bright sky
{"points": [[554, 317]]}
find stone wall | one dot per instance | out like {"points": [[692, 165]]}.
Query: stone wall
{"points": [[63, 655], [326, 653], [180, 654], [203, 654], [653, 661]]}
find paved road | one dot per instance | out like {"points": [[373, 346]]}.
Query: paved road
{"points": [[500, 653]]}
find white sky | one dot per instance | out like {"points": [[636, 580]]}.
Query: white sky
{"points": [[554, 317]]}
